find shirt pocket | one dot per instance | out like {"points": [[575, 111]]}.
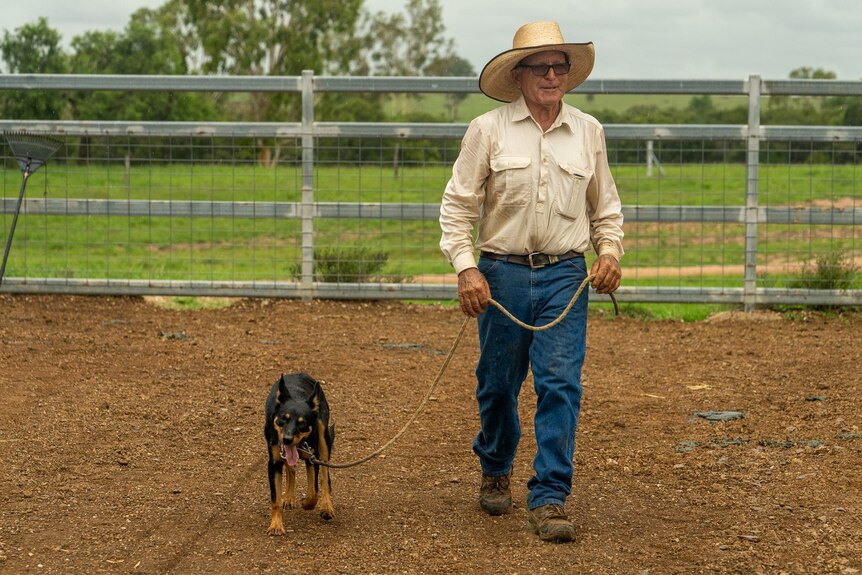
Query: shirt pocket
{"points": [[572, 198], [512, 180]]}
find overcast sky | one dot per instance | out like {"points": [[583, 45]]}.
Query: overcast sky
{"points": [[662, 39]]}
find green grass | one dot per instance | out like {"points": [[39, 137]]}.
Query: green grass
{"points": [[245, 249], [686, 312], [602, 311], [685, 184], [192, 303]]}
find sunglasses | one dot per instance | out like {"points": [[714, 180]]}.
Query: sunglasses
{"points": [[540, 70]]}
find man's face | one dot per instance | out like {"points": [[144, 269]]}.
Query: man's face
{"points": [[545, 91]]}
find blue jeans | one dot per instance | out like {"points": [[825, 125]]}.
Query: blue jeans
{"points": [[555, 356]]}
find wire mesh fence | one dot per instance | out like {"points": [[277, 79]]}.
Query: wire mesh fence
{"points": [[350, 210]]}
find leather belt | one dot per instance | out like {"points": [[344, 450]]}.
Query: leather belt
{"points": [[535, 260]]}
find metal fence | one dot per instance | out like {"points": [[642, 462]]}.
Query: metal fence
{"points": [[744, 214]]}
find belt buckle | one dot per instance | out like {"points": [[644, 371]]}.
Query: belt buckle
{"points": [[534, 265]]}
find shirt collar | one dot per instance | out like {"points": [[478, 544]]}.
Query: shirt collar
{"points": [[520, 111]]}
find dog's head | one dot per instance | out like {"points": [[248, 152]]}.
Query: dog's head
{"points": [[295, 414]]}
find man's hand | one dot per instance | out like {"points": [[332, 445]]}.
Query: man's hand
{"points": [[473, 292], [608, 274]]}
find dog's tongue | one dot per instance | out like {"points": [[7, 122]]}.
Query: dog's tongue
{"points": [[289, 454]]}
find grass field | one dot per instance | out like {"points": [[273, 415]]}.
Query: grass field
{"points": [[246, 249], [708, 184]]}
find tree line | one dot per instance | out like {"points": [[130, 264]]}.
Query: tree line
{"points": [[285, 37], [776, 110], [237, 37]]}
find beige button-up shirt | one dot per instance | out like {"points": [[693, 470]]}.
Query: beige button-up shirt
{"points": [[530, 191]]}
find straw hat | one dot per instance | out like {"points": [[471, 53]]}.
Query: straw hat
{"points": [[496, 80]]}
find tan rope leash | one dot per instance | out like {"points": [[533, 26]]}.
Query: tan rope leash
{"points": [[559, 318], [307, 451], [413, 417]]}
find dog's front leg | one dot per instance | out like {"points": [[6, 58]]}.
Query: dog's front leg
{"points": [[310, 501], [327, 510], [274, 471], [290, 499]]}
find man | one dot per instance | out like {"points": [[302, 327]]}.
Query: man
{"points": [[534, 175]]}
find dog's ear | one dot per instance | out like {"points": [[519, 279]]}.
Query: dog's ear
{"points": [[283, 395], [314, 399]]}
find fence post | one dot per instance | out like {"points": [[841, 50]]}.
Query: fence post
{"points": [[307, 209], [649, 157], [652, 160], [749, 296]]}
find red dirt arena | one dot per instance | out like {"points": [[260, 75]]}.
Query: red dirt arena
{"points": [[131, 441]]}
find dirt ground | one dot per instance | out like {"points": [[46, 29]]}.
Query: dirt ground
{"points": [[131, 442]]}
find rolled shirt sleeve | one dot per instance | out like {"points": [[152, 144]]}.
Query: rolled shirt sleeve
{"points": [[604, 207], [462, 201]]}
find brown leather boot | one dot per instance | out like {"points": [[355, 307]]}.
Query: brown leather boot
{"points": [[551, 523], [495, 497]]}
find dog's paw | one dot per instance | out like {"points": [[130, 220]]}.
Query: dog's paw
{"points": [[327, 512], [276, 528], [292, 504], [309, 503]]}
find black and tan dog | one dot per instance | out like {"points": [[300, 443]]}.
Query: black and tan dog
{"points": [[297, 419]]}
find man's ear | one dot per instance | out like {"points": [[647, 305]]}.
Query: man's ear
{"points": [[516, 76]]}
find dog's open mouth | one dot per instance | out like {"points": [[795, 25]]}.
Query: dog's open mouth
{"points": [[289, 453]]}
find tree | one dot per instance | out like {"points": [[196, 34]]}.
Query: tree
{"points": [[412, 43], [808, 73], [33, 49], [797, 110], [452, 65], [272, 37], [147, 46]]}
